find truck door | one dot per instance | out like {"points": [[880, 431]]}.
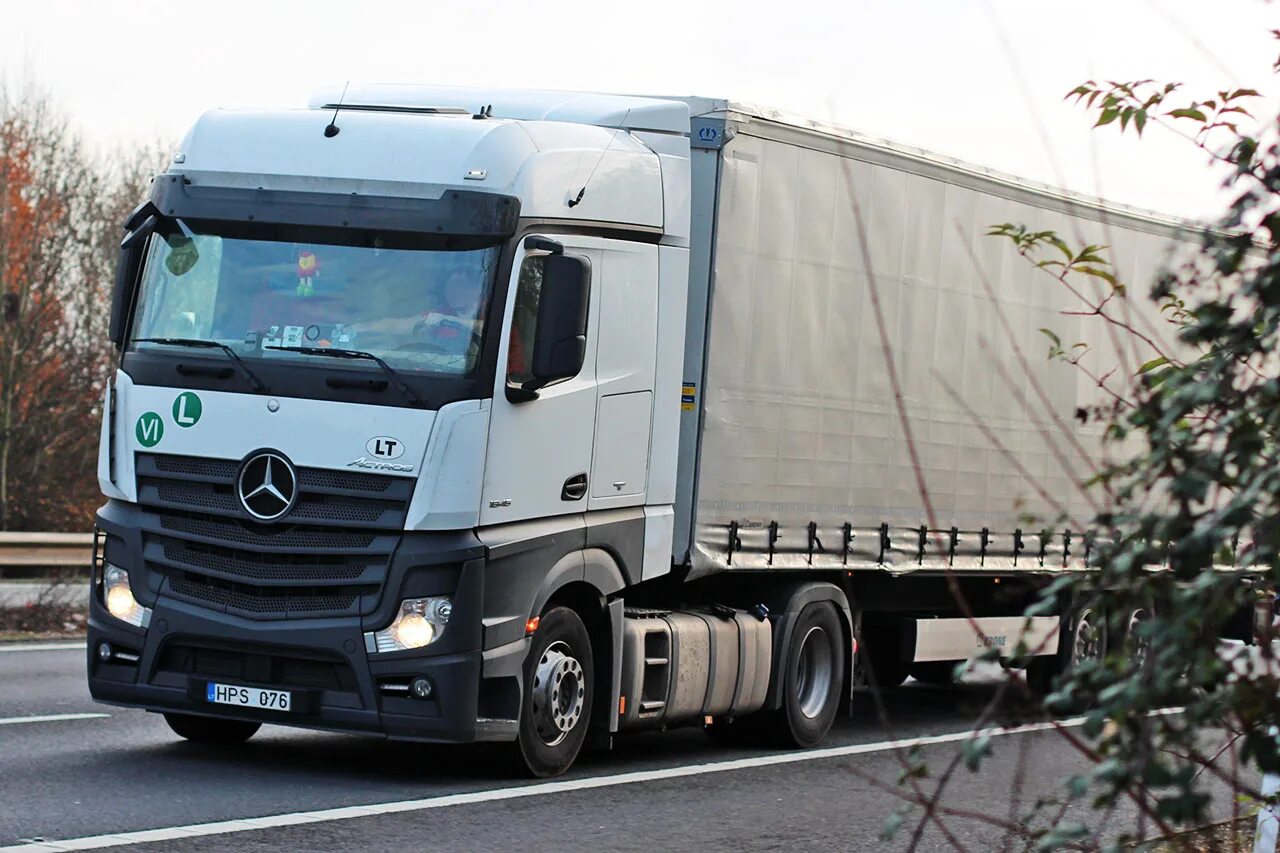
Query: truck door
{"points": [[539, 456], [626, 354]]}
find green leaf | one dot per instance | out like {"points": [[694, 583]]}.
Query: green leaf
{"points": [[1109, 115], [1057, 341], [1099, 273], [975, 750], [891, 826], [1140, 120], [1188, 113], [1153, 364]]}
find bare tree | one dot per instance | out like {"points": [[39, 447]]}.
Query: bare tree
{"points": [[60, 215]]}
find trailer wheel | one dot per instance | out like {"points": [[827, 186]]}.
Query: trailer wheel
{"points": [[210, 729], [557, 693], [813, 678], [1084, 637], [1088, 637], [1137, 648]]}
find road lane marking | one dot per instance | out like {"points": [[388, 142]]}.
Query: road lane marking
{"points": [[41, 647], [49, 718], [537, 789]]}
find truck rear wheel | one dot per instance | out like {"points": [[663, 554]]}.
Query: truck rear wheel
{"points": [[812, 678], [556, 709], [211, 729]]}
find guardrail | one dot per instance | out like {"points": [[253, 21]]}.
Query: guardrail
{"points": [[23, 551]]}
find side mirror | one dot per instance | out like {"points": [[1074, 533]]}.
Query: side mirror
{"points": [[127, 268], [561, 341]]}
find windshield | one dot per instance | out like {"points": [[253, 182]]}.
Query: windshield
{"points": [[419, 309]]}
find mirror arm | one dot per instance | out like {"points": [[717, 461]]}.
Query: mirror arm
{"points": [[521, 393], [533, 243]]}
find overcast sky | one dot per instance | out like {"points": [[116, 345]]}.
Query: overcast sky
{"points": [[981, 80]]}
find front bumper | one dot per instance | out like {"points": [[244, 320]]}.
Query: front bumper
{"points": [[337, 684]]}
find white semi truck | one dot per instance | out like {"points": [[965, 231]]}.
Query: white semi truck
{"points": [[462, 415]]}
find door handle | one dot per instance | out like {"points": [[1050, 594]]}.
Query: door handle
{"points": [[575, 488]]}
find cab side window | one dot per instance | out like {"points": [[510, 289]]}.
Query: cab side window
{"points": [[524, 320]]}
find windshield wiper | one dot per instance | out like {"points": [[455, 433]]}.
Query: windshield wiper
{"points": [[333, 352], [254, 382]]}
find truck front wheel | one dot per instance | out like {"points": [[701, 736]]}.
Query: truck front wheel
{"points": [[211, 729], [556, 709], [812, 678]]}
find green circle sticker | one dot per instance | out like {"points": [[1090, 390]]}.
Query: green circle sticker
{"points": [[150, 429], [186, 409]]}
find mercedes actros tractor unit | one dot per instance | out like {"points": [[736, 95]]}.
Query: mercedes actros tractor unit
{"points": [[459, 415]]}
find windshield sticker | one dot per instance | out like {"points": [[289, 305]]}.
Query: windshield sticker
{"points": [[149, 429], [385, 447], [187, 409]]}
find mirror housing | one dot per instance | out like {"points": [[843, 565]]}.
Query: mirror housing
{"points": [[561, 341], [140, 225]]}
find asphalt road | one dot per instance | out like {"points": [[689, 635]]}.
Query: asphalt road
{"points": [[65, 776]]}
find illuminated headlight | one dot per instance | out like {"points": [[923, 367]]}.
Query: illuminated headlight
{"points": [[419, 623], [119, 598]]}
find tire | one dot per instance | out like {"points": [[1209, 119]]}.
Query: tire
{"points": [[1040, 673], [211, 729], [558, 685], [812, 679], [1088, 637], [939, 673], [1137, 648], [1084, 637]]}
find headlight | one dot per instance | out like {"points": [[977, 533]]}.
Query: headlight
{"points": [[419, 623], [119, 598]]}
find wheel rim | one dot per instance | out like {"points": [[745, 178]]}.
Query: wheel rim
{"points": [[813, 673], [1138, 646], [1090, 638], [559, 693]]}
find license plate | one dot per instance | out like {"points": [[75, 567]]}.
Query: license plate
{"points": [[249, 697]]}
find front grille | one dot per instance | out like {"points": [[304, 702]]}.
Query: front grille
{"points": [[327, 557], [251, 599], [216, 561], [295, 538]]}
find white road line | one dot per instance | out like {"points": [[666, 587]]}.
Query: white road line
{"points": [[49, 718], [41, 647], [535, 790]]}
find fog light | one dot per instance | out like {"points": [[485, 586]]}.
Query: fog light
{"points": [[419, 623], [420, 688], [119, 598], [104, 652]]}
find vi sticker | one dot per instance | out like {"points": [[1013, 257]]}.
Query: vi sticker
{"points": [[149, 429], [186, 409]]}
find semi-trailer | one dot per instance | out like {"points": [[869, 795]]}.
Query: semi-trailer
{"points": [[456, 415]]}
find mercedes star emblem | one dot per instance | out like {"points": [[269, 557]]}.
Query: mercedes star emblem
{"points": [[267, 486]]}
